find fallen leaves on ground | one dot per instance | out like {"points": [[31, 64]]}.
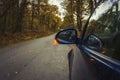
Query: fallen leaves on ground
{"points": [[12, 38]]}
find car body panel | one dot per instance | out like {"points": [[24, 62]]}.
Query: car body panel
{"points": [[79, 69]]}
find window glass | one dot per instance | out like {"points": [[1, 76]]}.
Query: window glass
{"points": [[107, 27]]}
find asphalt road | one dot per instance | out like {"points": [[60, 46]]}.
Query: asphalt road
{"points": [[37, 59]]}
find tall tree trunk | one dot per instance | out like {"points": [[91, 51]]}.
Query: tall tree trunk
{"points": [[95, 2], [91, 5], [32, 16], [20, 15], [71, 13], [39, 10], [116, 17], [79, 15], [4, 24]]}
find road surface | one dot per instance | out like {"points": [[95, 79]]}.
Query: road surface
{"points": [[37, 59]]}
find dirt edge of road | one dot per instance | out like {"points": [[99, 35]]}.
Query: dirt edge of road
{"points": [[9, 39]]}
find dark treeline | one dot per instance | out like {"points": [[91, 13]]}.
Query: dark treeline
{"points": [[32, 15], [23, 15]]}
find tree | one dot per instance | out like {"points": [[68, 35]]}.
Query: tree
{"points": [[67, 23], [79, 14], [19, 15], [8, 11], [76, 9]]}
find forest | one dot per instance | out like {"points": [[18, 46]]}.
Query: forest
{"points": [[28, 19]]}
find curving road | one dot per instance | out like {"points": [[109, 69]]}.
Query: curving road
{"points": [[37, 59]]}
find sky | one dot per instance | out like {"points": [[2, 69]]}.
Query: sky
{"points": [[103, 8], [57, 3]]}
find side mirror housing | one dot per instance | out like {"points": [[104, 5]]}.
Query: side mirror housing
{"points": [[67, 36]]}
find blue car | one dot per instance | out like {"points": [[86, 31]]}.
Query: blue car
{"points": [[95, 55]]}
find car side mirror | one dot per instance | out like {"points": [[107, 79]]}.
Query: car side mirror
{"points": [[94, 42], [67, 36]]}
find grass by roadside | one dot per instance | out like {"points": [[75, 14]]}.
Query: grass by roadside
{"points": [[9, 38]]}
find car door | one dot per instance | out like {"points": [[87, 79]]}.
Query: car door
{"points": [[102, 43], [80, 68]]}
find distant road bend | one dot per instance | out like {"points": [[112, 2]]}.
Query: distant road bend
{"points": [[36, 59]]}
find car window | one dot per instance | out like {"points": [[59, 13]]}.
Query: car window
{"points": [[107, 27]]}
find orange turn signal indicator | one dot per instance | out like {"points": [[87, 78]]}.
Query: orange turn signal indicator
{"points": [[91, 59], [103, 52], [55, 42]]}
